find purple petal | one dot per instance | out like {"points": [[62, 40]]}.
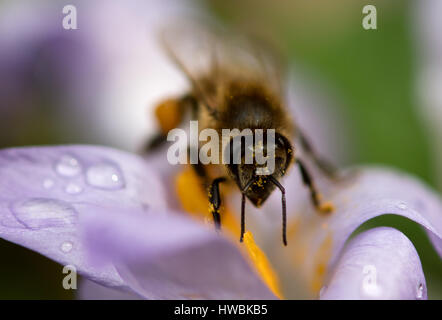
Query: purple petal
{"points": [[370, 193], [89, 290], [43, 190], [171, 257], [71, 69], [380, 263], [49, 193], [317, 239], [381, 191]]}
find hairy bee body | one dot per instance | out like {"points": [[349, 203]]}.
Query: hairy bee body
{"points": [[243, 104], [236, 86], [247, 104]]}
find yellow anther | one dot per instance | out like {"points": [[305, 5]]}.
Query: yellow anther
{"points": [[262, 264], [194, 200]]}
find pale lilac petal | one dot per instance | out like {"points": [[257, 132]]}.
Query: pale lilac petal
{"points": [[171, 257], [49, 193], [380, 263], [89, 290], [372, 192], [317, 239], [43, 190], [380, 191]]}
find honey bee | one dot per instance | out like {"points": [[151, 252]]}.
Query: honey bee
{"points": [[237, 84]]}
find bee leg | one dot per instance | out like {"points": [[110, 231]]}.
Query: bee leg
{"points": [[243, 209], [215, 201], [213, 191], [326, 167], [243, 217], [169, 115], [154, 142], [325, 207]]}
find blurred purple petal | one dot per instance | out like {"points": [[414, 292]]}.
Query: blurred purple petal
{"points": [[380, 263], [171, 257], [103, 77], [43, 190]]}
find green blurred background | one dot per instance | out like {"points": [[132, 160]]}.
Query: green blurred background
{"points": [[372, 72]]}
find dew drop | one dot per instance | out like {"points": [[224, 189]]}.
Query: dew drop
{"points": [[402, 206], [73, 188], [68, 166], [66, 247], [48, 183], [420, 291], [105, 176], [41, 213]]}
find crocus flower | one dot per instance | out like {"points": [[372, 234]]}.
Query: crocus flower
{"points": [[138, 228], [107, 213]]}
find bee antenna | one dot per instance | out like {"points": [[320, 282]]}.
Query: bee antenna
{"points": [[284, 209], [243, 209]]}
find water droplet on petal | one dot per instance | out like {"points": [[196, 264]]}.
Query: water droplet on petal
{"points": [[66, 247], [402, 206], [48, 183], [105, 176], [41, 213], [73, 188], [68, 166], [420, 291]]}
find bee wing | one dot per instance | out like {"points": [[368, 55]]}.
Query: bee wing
{"points": [[209, 56]]}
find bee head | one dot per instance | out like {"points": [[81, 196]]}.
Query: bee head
{"points": [[256, 162]]}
